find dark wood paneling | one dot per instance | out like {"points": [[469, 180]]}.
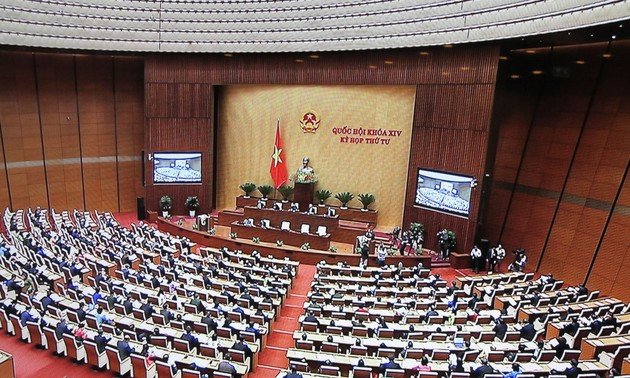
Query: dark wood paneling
{"points": [[451, 134]]}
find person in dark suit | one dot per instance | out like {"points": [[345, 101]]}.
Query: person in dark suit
{"points": [[482, 370], [500, 328], [390, 364], [81, 313], [571, 328], [209, 321], [528, 332], [242, 346], [225, 366], [293, 373], [124, 349], [311, 318], [167, 314], [101, 341], [561, 347], [26, 316], [47, 301], [148, 309], [128, 304], [62, 328], [572, 371], [193, 341]]}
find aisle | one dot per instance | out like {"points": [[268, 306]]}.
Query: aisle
{"points": [[273, 358]]}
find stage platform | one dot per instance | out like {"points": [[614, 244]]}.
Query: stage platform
{"points": [[310, 256]]}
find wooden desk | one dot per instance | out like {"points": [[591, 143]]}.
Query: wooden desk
{"points": [[295, 218], [289, 237], [592, 347], [7, 365], [350, 214], [459, 260], [625, 368], [530, 313], [311, 257]]}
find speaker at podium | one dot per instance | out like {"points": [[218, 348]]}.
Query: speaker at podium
{"points": [[203, 222]]}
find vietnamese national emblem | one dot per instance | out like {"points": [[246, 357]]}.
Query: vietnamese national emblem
{"points": [[309, 122]]}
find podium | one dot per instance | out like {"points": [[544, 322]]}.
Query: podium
{"points": [[303, 195], [203, 222]]}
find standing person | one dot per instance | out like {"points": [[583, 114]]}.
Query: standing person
{"points": [[404, 241], [475, 255], [492, 259], [500, 255], [381, 253]]}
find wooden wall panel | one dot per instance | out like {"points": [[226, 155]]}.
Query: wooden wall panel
{"points": [[42, 120], [129, 97], [98, 131], [60, 130], [450, 134], [21, 131]]}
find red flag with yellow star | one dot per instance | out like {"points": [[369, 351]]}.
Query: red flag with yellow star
{"points": [[278, 168]]}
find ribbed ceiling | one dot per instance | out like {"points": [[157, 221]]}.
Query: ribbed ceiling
{"points": [[288, 25]]}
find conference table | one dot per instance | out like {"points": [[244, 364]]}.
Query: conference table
{"points": [[592, 347], [530, 313], [346, 362], [289, 237]]}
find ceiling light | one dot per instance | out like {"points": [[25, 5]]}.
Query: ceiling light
{"points": [[537, 72], [530, 51], [228, 55], [503, 58], [424, 53], [299, 60], [389, 62], [515, 76], [314, 56], [448, 46], [372, 66], [580, 62], [606, 55]]}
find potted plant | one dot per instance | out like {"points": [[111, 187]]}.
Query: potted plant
{"points": [[366, 199], [248, 188], [265, 190], [166, 203], [286, 192], [322, 195], [192, 203], [344, 198]]}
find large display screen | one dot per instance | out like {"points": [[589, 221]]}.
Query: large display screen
{"points": [[443, 191], [177, 168]]}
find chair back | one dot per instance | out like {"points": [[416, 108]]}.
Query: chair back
{"points": [[181, 345], [329, 347], [37, 337], [305, 228], [188, 373], [219, 374], [163, 369], [114, 359], [91, 352], [139, 365], [329, 370], [322, 231], [309, 327], [237, 355], [358, 350], [361, 372], [570, 354], [304, 344], [71, 346], [299, 366], [395, 373], [285, 225], [208, 351]]}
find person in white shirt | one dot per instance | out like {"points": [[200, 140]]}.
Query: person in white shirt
{"points": [[475, 255]]}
